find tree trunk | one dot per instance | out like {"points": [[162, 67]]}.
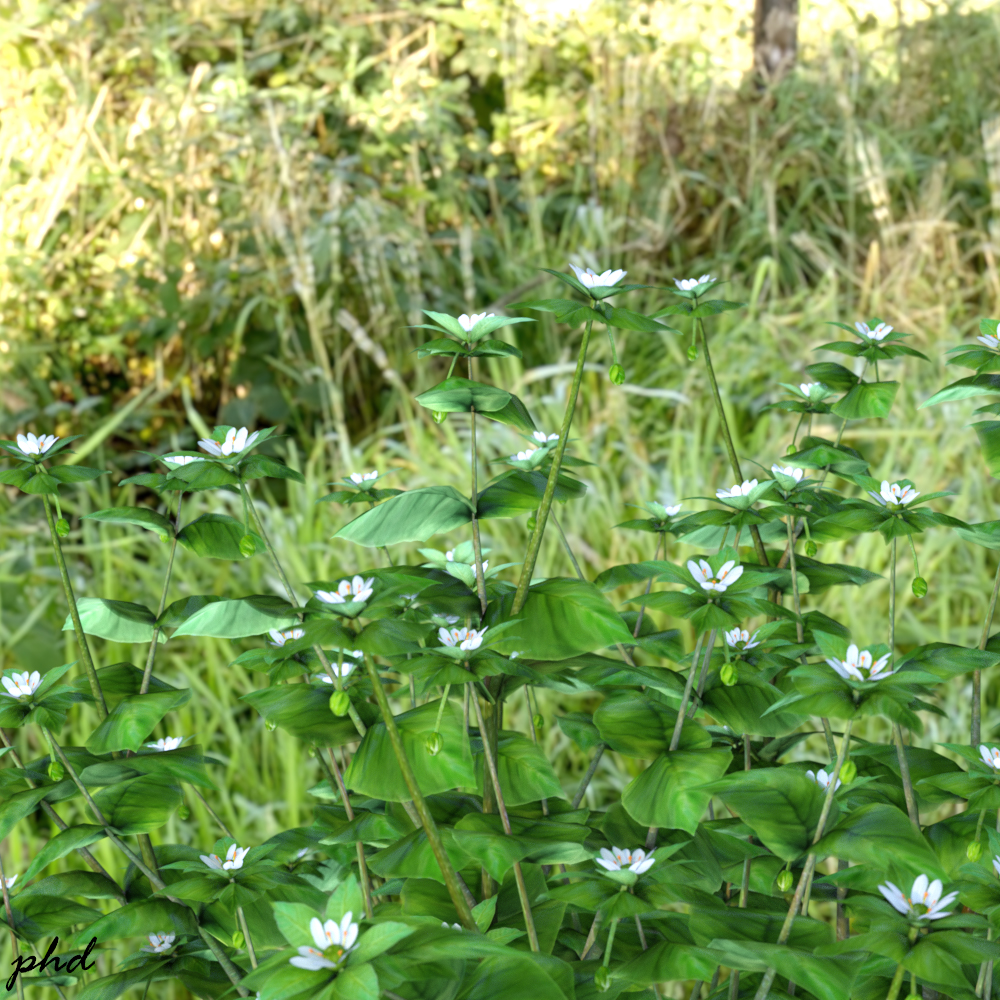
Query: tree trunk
{"points": [[775, 37]]}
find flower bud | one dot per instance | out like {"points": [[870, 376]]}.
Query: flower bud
{"points": [[312, 751], [617, 374], [237, 939], [848, 772], [182, 812], [974, 851], [538, 722], [785, 880], [56, 770], [729, 675], [692, 353], [602, 979], [532, 523], [434, 743], [62, 527], [247, 546], [340, 703], [791, 449], [164, 539], [439, 416], [919, 586], [811, 548], [270, 725]]}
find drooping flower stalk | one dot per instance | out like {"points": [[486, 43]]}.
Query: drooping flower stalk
{"points": [[334, 769], [904, 764], [251, 954]]}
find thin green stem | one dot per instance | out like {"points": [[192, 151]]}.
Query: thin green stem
{"points": [[151, 656], [904, 764], [796, 605], [15, 950], [541, 517], [211, 812], [595, 760], [661, 540], [246, 936], [611, 942], [591, 936], [566, 546], [477, 546], [333, 770], [977, 702], [74, 613], [675, 738], [897, 982], [426, 819]]}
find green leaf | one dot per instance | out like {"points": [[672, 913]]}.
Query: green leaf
{"points": [[377, 940], [304, 711], [988, 432], [640, 726], [137, 919], [517, 491], [132, 720], [239, 618], [410, 517], [965, 388], [15, 807], [258, 466], [356, 982], [626, 319], [565, 310], [670, 792], [207, 475], [459, 395], [867, 400], [140, 805], [217, 536], [832, 375], [293, 920], [524, 771], [580, 728], [63, 843], [119, 621], [514, 414], [412, 857], [75, 473], [143, 517], [742, 706]]}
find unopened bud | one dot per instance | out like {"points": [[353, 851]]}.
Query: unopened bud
{"points": [[532, 523], [811, 548], [164, 539], [692, 353], [270, 725], [62, 527], [183, 812], [340, 703], [785, 881], [439, 416], [434, 743], [974, 851], [247, 546], [919, 587], [312, 751], [848, 772], [729, 675], [537, 721], [237, 939], [602, 979], [56, 770], [791, 449], [617, 374]]}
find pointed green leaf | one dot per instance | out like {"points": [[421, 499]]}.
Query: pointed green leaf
{"points": [[410, 517]]}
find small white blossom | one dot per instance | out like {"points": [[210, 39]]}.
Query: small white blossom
{"points": [[923, 903], [166, 743], [894, 494], [738, 490], [709, 580], [357, 589], [236, 441], [363, 477], [992, 342], [686, 284], [822, 778], [344, 669], [806, 388], [31, 445], [179, 460], [301, 853], [879, 333], [991, 756], [788, 470], [9, 882], [159, 943], [616, 859], [464, 638], [288, 635], [738, 635], [333, 941], [591, 279], [859, 666], [22, 685], [468, 322], [234, 859], [523, 456], [543, 438], [675, 509]]}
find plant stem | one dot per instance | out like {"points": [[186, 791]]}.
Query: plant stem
{"points": [[897, 982], [476, 543], [151, 656], [246, 936], [349, 809], [611, 942], [795, 583], [662, 539], [675, 738], [591, 935], [74, 613], [566, 546], [211, 812], [522, 889], [426, 819], [977, 704], [534, 543], [904, 764], [534, 735], [758, 544], [578, 798], [15, 951], [699, 690]]}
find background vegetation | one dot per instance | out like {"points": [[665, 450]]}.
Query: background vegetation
{"points": [[232, 212]]}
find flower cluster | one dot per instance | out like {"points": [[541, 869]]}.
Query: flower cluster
{"points": [[357, 590], [233, 860], [166, 743], [924, 902], [895, 493], [741, 639], [591, 279], [22, 685], [159, 943], [467, 323], [464, 638], [788, 470], [686, 284], [616, 859], [236, 442], [542, 438], [728, 573], [363, 477], [287, 635], [879, 333], [333, 941], [858, 665], [31, 445], [739, 490]]}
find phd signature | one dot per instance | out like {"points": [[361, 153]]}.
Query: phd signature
{"points": [[28, 964]]}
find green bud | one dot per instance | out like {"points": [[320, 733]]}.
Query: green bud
{"points": [[602, 979], [538, 722], [848, 772], [340, 703], [164, 539], [617, 374], [434, 744], [237, 939], [312, 751], [270, 726], [532, 523], [785, 881], [62, 527], [791, 450], [693, 353], [811, 548], [729, 675], [919, 587], [183, 812], [56, 770], [247, 546], [439, 416], [974, 851]]}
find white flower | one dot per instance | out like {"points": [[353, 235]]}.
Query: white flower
{"points": [[464, 638], [822, 778], [616, 859], [179, 460], [363, 477], [333, 942], [686, 284], [879, 333], [159, 943], [301, 853], [806, 388], [234, 859], [22, 685], [343, 670], [357, 589], [288, 635], [166, 743], [707, 580], [924, 901], [468, 322], [236, 441], [671, 511], [741, 636], [542, 438], [991, 342], [450, 555], [31, 445], [522, 456], [788, 470], [737, 490], [591, 279], [991, 756], [894, 494], [859, 666], [996, 865], [9, 882], [454, 927]]}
